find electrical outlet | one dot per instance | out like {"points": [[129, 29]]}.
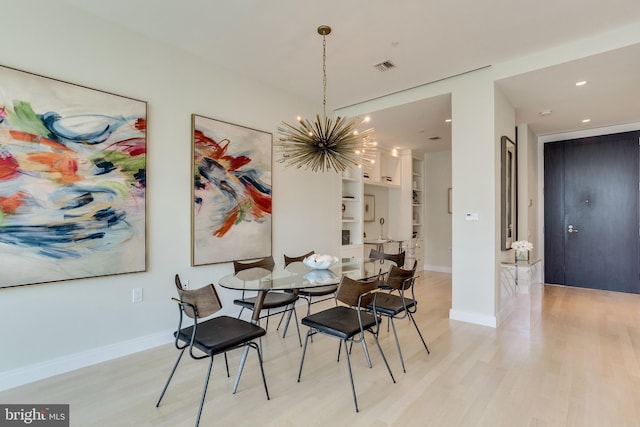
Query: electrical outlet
{"points": [[136, 295]]}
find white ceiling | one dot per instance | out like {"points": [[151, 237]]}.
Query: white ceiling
{"points": [[276, 42]]}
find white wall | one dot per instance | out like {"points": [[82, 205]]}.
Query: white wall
{"points": [[474, 173], [528, 188], [437, 224], [51, 328]]}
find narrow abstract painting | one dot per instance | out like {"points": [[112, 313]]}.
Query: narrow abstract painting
{"points": [[231, 192], [72, 181]]}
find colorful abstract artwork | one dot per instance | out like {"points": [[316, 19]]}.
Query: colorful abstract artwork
{"points": [[72, 181], [231, 192]]}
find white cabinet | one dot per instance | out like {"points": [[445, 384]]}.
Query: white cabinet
{"points": [[385, 172]]}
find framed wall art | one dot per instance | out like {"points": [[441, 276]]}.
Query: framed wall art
{"points": [[508, 195], [231, 211], [72, 181], [369, 208]]}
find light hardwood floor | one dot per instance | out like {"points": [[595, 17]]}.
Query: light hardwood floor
{"points": [[566, 357]]}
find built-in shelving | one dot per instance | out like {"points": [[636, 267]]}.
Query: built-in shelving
{"points": [[395, 180], [416, 246], [351, 213]]}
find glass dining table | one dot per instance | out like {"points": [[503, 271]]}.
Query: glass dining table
{"points": [[298, 276]]}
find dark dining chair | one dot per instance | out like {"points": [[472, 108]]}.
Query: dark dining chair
{"points": [[398, 258], [348, 322], [209, 337], [324, 293], [400, 302], [289, 259], [272, 300]]}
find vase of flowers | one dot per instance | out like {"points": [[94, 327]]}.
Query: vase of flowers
{"points": [[522, 248]]}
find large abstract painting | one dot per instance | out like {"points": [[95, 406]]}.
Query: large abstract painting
{"points": [[231, 192], [72, 181]]}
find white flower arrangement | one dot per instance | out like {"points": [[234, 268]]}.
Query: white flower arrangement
{"points": [[522, 245]]}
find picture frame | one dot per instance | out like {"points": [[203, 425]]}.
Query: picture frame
{"points": [[369, 208], [73, 187], [508, 196], [231, 192]]}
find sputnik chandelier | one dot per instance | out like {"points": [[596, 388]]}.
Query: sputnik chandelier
{"points": [[324, 144]]}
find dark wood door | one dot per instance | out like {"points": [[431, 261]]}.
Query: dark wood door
{"points": [[592, 226]]}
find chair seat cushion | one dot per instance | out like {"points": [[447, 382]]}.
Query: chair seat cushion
{"points": [[391, 304], [341, 321], [319, 292], [220, 334], [271, 300]]}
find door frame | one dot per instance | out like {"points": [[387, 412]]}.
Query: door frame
{"points": [[629, 127]]}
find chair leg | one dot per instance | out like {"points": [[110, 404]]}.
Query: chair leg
{"points": [[243, 359], [295, 317], [264, 380], [304, 351], [292, 310], [353, 389], [419, 333], [308, 306], [240, 314], [288, 311], [366, 351], [175, 365], [226, 363], [280, 321], [204, 391], [375, 337], [395, 335]]}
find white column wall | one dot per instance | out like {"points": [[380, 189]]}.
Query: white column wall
{"points": [[474, 173]]}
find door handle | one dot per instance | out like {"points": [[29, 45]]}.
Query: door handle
{"points": [[572, 230]]}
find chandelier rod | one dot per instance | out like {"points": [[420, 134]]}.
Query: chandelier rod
{"points": [[323, 30]]}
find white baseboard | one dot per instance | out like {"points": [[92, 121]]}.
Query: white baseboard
{"points": [[439, 269], [475, 318], [61, 365]]}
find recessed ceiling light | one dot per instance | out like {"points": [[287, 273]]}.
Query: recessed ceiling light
{"points": [[545, 112], [448, 120], [581, 83], [586, 120]]}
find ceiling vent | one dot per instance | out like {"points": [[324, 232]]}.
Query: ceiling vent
{"points": [[385, 66]]}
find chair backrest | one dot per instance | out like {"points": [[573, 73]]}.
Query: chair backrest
{"points": [[350, 290], [398, 277], [289, 259], [397, 258], [266, 263], [205, 300]]}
